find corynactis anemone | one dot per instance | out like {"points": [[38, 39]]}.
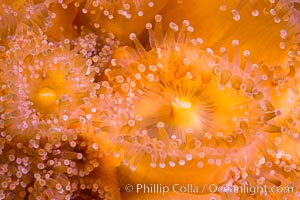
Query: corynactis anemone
{"points": [[43, 82], [179, 105], [100, 96]]}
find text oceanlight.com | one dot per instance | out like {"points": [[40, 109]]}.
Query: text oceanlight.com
{"points": [[211, 188]]}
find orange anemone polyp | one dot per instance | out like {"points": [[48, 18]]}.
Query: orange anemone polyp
{"points": [[178, 106], [44, 82]]}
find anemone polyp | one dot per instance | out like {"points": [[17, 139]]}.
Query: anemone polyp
{"points": [[181, 105], [44, 82]]}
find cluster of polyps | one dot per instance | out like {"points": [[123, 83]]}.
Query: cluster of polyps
{"points": [[219, 97]]}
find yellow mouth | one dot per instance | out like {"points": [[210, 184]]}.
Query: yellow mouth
{"points": [[46, 97], [181, 103]]}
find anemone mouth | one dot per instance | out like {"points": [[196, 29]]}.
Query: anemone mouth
{"points": [[174, 111], [46, 97]]}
